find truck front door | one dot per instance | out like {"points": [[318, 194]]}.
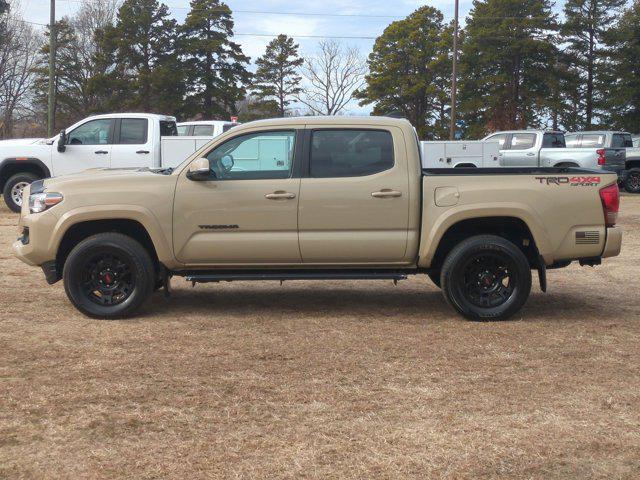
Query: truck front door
{"points": [[354, 197], [88, 146], [246, 212]]}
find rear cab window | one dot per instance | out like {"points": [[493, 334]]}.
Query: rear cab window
{"points": [[350, 152], [554, 140], [203, 130], [168, 128], [183, 130]]}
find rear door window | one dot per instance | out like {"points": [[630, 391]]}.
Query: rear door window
{"points": [[628, 141], [133, 131], [523, 141], [350, 153], [591, 140]]}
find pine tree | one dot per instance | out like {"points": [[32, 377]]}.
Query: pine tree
{"points": [[586, 22], [623, 75], [277, 75], [215, 65], [507, 63], [410, 71], [138, 54]]}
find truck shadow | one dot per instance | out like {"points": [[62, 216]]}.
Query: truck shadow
{"points": [[414, 305], [404, 305]]}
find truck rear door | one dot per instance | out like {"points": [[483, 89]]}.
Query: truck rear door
{"points": [[354, 196], [133, 143]]}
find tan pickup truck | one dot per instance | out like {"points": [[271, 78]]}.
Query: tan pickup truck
{"points": [[316, 198]]}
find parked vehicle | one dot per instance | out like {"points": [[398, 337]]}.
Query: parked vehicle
{"points": [[101, 141], [632, 183], [348, 199], [204, 128], [539, 148], [459, 154]]}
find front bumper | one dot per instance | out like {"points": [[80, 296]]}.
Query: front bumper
{"points": [[36, 248], [614, 242]]}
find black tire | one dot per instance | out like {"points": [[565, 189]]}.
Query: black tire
{"points": [[486, 278], [632, 182], [8, 191], [108, 276], [435, 278]]}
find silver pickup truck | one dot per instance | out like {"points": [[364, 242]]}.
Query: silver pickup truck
{"points": [[540, 148], [632, 181]]}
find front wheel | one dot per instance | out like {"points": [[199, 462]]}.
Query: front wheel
{"points": [[632, 182], [486, 278], [13, 189], [108, 275]]}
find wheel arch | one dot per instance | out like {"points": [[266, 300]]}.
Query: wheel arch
{"points": [[13, 165], [136, 222], [518, 227]]}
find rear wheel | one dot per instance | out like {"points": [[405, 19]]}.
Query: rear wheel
{"points": [[14, 187], [108, 275], [632, 182], [486, 278]]}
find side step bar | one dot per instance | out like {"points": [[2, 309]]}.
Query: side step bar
{"points": [[280, 275]]}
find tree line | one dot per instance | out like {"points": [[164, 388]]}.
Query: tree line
{"points": [[519, 67]]}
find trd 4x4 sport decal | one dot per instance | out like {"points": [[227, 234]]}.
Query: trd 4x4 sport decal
{"points": [[572, 181]]}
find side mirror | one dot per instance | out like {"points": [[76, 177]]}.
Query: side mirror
{"points": [[62, 141], [199, 170]]}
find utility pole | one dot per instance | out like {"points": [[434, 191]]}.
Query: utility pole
{"points": [[51, 114], [454, 74]]}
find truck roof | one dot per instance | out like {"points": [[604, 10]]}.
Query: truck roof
{"points": [[154, 116], [529, 130], [208, 122], [599, 132], [332, 120]]}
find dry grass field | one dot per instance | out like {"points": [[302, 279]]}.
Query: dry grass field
{"points": [[323, 380]]}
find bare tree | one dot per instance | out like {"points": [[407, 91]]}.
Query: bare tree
{"points": [[331, 78], [18, 56]]}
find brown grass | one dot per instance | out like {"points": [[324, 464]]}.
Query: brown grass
{"points": [[323, 380]]}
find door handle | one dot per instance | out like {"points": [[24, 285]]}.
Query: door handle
{"points": [[142, 152], [280, 196], [386, 193], [530, 154], [101, 152]]}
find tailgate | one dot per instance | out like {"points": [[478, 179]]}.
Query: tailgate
{"points": [[615, 158]]}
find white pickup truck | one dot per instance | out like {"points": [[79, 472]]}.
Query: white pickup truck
{"points": [[120, 140]]}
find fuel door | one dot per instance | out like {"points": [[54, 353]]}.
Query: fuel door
{"points": [[446, 196]]}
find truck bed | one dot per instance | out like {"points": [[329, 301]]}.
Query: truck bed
{"points": [[566, 198]]}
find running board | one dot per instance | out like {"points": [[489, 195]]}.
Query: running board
{"points": [[281, 276]]}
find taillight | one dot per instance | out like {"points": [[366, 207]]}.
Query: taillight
{"points": [[601, 156], [610, 197]]}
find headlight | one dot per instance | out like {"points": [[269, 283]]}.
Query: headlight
{"points": [[39, 202]]}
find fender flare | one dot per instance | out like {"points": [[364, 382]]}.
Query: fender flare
{"points": [[24, 161], [465, 212], [162, 245]]}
